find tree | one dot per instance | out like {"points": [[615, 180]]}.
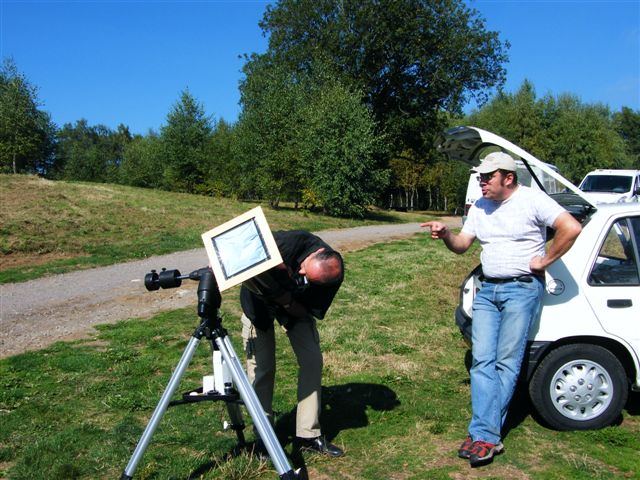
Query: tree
{"points": [[142, 164], [222, 176], [445, 183], [91, 153], [307, 136], [267, 130], [407, 173], [184, 142], [340, 151], [519, 117], [627, 123], [561, 130], [26, 133], [583, 139], [411, 59]]}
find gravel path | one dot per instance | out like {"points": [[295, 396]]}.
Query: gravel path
{"points": [[37, 313]]}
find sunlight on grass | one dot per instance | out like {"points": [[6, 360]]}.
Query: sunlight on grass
{"points": [[395, 393]]}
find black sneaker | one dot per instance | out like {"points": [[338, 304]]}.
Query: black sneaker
{"points": [[465, 449], [482, 453], [318, 445]]}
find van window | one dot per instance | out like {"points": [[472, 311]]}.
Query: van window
{"points": [[607, 183], [617, 261]]}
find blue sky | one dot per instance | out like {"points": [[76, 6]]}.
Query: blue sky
{"points": [[119, 61]]}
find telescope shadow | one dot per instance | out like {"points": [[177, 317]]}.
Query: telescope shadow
{"points": [[343, 407]]}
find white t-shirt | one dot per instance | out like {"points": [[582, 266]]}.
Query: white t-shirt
{"points": [[513, 231]]}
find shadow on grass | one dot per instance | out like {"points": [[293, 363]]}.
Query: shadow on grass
{"points": [[633, 403], [519, 409], [343, 407], [521, 406]]}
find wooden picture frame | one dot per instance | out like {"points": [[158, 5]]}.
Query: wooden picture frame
{"points": [[241, 248]]}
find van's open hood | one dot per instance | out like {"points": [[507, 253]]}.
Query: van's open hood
{"points": [[468, 143]]}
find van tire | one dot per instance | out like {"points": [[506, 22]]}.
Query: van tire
{"points": [[579, 387]]}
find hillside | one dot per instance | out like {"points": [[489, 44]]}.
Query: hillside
{"points": [[53, 226]]}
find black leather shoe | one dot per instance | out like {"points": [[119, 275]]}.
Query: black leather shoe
{"points": [[319, 445]]}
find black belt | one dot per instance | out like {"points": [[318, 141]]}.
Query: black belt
{"points": [[520, 278]]}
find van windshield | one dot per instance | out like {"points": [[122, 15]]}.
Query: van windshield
{"points": [[606, 183]]}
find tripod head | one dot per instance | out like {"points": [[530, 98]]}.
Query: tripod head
{"points": [[209, 298]]}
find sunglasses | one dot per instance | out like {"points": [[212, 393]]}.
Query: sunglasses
{"points": [[486, 177]]}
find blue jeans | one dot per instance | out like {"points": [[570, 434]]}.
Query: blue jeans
{"points": [[502, 315]]}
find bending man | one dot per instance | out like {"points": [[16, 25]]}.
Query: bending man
{"points": [[294, 293]]}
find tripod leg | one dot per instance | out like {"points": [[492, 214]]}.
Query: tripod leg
{"points": [[252, 404], [223, 384], [237, 423], [161, 408]]}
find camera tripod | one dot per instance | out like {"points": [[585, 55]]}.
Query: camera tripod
{"points": [[227, 369]]}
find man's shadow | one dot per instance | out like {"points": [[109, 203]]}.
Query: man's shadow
{"points": [[343, 407], [633, 403]]}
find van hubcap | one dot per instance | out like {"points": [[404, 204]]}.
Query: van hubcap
{"points": [[581, 389]]}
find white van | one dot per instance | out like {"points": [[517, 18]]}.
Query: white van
{"points": [[583, 352], [612, 186], [550, 184]]}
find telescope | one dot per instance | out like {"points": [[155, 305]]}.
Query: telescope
{"points": [[229, 382]]}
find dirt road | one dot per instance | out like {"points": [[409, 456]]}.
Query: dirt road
{"points": [[37, 313]]}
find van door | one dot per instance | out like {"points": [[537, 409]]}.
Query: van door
{"points": [[612, 287]]}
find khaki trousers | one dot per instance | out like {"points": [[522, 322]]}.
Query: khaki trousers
{"points": [[260, 348]]}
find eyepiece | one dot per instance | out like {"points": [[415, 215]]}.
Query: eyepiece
{"points": [[151, 281], [165, 279]]}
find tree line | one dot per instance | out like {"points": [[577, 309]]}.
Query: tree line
{"points": [[341, 112]]}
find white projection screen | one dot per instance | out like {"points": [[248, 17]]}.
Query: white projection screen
{"points": [[241, 248]]}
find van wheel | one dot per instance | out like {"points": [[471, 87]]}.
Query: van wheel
{"points": [[579, 387]]}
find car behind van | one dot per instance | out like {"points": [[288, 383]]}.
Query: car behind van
{"points": [[612, 186]]}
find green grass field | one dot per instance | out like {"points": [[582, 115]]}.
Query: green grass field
{"points": [[49, 227], [396, 393]]}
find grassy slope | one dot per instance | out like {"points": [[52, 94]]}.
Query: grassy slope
{"points": [[396, 393], [52, 227]]}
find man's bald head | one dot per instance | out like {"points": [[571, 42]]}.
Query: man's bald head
{"points": [[323, 267]]}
